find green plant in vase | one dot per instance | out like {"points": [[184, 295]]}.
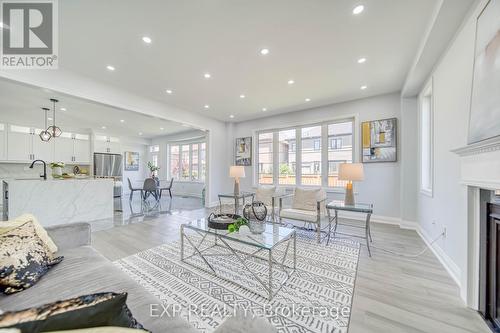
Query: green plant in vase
{"points": [[153, 168], [57, 169], [235, 227]]}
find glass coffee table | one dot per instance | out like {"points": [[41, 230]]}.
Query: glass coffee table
{"points": [[270, 258]]}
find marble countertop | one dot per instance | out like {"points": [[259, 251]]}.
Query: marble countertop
{"points": [[69, 180]]}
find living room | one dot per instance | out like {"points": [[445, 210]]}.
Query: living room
{"points": [[231, 166]]}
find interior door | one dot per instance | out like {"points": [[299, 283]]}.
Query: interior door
{"points": [[19, 143]]}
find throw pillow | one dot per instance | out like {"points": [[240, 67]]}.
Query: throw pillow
{"points": [[89, 311], [40, 231], [24, 258], [305, 199]]}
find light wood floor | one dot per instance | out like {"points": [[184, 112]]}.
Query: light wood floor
{"points": [[392, 293]]}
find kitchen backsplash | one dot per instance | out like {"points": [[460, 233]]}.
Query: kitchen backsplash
{"points": [[20, 170]]}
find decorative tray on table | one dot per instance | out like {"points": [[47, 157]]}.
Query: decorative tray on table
{"points": [[221, 221]]}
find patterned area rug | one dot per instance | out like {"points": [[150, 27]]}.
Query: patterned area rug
{"points": [[316, 298]]}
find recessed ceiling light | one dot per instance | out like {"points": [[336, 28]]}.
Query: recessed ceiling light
{"points": [[185, 125], [264, 109], [358, 9], [161, 128], [140, 133], [231, 116], [264, 51], [110, 68], [291, 82], [168, 91], [206, 106], [242, 96], [122, 120], [307, 99], [363, 87], [361, 60], [63, 109], [146, 40], [103, 127], [207, 75]]}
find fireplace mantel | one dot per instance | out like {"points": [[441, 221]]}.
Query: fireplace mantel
{"points": [[480, 164]]}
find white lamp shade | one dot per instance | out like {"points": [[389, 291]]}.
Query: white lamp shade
{"points": [[237, 171], [351, 171]]}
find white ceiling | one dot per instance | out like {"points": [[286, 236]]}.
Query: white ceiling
{"points": [[21, 105], [315, 43]]}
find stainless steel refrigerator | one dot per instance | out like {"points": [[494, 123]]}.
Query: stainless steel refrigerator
{"points": [[108, 165]]}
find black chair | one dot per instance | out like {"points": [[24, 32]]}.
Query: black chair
{"points": [[150, 188], [168, 188], [133, 189]]}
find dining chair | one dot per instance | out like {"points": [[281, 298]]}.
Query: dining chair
{"points": [[150, 188], [167, 188], [133, 189]]}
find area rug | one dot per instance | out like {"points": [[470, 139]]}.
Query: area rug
{"points": [[316, 298]]}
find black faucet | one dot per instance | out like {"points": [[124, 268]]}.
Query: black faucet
{"points": [[44, 176]]}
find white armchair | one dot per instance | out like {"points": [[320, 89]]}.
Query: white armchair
{"points": [[307, 206]]}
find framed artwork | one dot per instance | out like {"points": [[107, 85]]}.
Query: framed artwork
{"points": [[131, 161], [243, 151], [484, 122], [378, 139]]}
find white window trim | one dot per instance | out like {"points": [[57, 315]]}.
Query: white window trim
{"points": [[428, 90], [356, 137]]}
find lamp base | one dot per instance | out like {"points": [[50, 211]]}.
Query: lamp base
{"points": [[349, 195], [236, 187]]}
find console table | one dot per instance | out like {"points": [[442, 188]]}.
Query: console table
{"points": [[236, 197], [357, 208]]}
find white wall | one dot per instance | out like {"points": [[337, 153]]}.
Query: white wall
{"points": [[382, 180], [452, 81], [136, 177]]}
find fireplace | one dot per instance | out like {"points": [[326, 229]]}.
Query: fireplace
{"points": [[489, 265]]}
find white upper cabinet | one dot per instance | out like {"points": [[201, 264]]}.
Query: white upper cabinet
{"points": [[19, 143], [42, 150], [3, 142], [107, 144], [81, 149], [64, 148]]}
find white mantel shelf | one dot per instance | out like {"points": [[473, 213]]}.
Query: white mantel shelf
{"points": [[480, 164]]}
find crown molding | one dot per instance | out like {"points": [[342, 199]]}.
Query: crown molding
{"points": [[485, 146]]}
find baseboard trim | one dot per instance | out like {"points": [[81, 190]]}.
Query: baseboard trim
{"points": [[443, 258]]}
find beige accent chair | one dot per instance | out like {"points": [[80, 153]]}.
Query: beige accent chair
{"points": [[307, 207], [267, 195]]}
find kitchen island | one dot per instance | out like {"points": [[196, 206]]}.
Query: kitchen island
{"points": [[59, 201]]}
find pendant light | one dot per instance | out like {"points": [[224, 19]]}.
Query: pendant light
{"points": [[54, 130], [45, 135]]}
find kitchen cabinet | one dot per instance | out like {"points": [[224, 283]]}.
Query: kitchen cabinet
{"points": [[72, 148], [3, 142], [107, 144], [19, 143], [81, 149], [42, 150]]}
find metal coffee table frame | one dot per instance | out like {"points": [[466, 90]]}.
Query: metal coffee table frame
{"points": [[223, 239]]}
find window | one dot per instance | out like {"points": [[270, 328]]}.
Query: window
{"points": [[154, 149], [265, 148], [317, 162], [188, 161], [311, 156], [286, 142], [194, 162], [426, 141], [339, 150], [174, 162], [185, 162]]}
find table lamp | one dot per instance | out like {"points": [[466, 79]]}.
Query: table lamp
{"points": [[350, 172], [237, 172]]}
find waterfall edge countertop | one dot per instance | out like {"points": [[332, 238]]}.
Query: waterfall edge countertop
{"points": [[59, 201]]}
